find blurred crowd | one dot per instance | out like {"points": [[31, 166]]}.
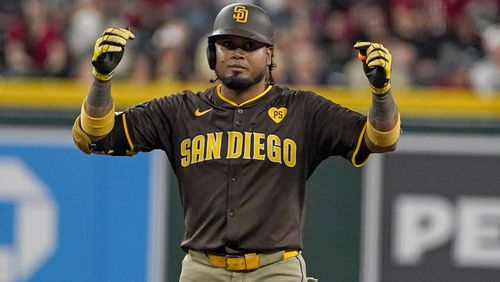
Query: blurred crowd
{"points": [[435, 43]]}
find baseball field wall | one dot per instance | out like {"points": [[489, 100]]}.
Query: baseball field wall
{"points": [[428, 212]]}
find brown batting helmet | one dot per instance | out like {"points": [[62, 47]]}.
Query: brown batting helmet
{"points": [[240, 19]]}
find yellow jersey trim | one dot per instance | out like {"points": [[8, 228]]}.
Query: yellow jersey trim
{"points": [[219, 93], [358, 146], [125, 128]]}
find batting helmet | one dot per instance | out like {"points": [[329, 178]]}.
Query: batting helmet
{"points": [[240, 19]]}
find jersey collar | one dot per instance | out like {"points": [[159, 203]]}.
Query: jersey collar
{"points": [[231, 102]]}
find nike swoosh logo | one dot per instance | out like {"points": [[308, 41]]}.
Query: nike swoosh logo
{"points": [[199, 114]]}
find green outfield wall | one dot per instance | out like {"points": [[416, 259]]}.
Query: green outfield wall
{"points": [[334, 196]]}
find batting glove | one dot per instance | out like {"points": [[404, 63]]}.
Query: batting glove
{"points": [[377, 64], [108, 52]]}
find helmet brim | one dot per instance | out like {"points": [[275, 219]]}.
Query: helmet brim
{"points": [[240, 32]]}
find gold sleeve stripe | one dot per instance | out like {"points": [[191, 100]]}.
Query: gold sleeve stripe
{"points": [[381, 138], [360, 139], [125, 128], [97, 126]]}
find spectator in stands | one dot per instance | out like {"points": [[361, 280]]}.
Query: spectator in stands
{"points": [[197, 15], [485, 75], [86, 20], [150, 21], [7, 9], [304, 63], [336, 38], [437, 42], [35, 44], [421, 25], [170, 42]]}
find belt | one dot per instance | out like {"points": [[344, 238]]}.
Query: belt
{"points": [[246, 262]]}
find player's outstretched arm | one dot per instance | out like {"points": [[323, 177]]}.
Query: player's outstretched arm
{"points": [[383, 126], [96, 119]]}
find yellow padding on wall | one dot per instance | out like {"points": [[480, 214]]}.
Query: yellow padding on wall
{"points": [[381, 138], [66, 95], [97, 126]]}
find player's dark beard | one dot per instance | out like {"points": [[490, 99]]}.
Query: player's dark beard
{"points": [[236, 82]]}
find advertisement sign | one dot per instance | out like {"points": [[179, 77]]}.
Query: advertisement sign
{"points": [[67, 216], [432, 211]]}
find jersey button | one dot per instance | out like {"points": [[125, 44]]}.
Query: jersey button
{"points": [[234, 179], [240, 111], [238, 123], [231, 213]]}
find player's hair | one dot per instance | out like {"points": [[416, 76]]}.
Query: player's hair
{"points": [[270, 67]]}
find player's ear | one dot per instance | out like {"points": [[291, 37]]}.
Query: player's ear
{"points": [[270, 52]]}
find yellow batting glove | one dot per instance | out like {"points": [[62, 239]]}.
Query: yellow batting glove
{"points": [[377, 65], [108, 52]]}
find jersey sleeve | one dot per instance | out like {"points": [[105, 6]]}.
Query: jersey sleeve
{"points": [[142, 128], [335, 130]]}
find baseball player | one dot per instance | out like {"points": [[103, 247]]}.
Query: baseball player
{"points": [[243, 149]]}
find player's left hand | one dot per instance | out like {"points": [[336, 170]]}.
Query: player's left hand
{"points": [[377, 65]]}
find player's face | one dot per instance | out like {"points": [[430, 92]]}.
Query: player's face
{"points": [[241, 62]]}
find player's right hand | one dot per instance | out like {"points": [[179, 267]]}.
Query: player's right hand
{"points": [[377, 64], [108, 52]]}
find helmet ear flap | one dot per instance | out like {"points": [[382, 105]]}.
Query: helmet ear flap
{"points": [[211, 53]]}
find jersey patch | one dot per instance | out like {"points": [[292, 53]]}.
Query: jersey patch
{"points": [[277, 115]]}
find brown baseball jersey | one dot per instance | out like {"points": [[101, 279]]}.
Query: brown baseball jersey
{"points": [[241, 169]]}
